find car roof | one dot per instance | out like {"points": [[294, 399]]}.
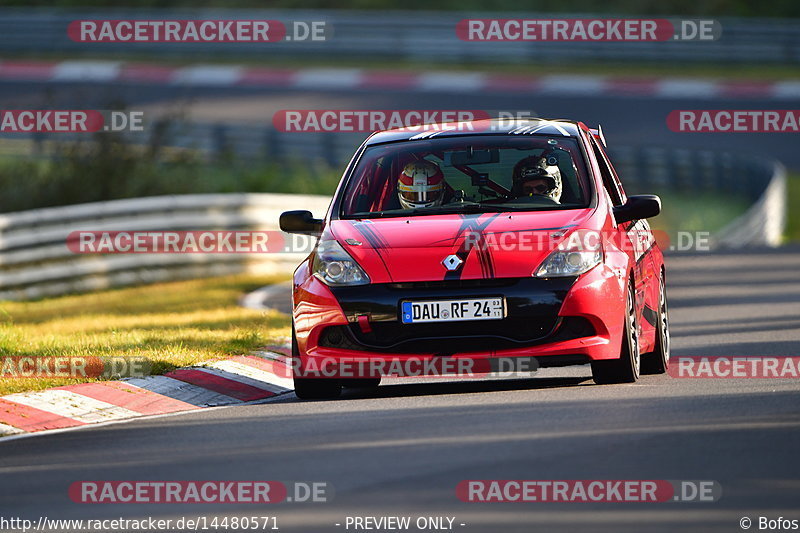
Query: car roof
{"points": [[496, 126]]}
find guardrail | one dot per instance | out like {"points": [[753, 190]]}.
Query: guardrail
{"points": [[35, 261], [400, 35], [764, 222], [763, 182]]}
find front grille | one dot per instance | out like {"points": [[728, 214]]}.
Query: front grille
{"points": [[531, 300], [453, 284], [532, 306]]}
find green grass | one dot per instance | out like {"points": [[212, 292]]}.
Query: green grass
{"points": [[697, 212], [792, 232], [169, 324]]}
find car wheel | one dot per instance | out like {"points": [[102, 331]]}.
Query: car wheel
{"points": [[314, 388], [657, 361], [626, 368]]}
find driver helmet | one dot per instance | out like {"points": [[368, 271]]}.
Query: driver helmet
{"points": [[421, 184], [542, 168]]}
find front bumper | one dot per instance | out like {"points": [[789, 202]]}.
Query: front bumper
{"points": [[373, 312], [557, 321]]}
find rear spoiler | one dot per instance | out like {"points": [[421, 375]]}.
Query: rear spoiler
{"points": [[597, 133]]}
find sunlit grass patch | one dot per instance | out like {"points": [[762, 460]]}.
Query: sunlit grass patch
{"points": [[701, 212], [793, 207], [170, 324]]}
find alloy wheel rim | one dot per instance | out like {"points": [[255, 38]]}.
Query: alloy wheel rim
{"points": [[665, 323]]}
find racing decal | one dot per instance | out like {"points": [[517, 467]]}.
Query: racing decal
{"points": [[375, 240], [650, 315], [473, 226], [549, 127], [485, 260]]}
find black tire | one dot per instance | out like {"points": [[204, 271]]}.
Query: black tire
{"points": [[314, 388], [361, 383], [317, 388], [657, 361], [625, 369]]}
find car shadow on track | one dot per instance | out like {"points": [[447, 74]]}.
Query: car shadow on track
{"points": [[393, 390]]}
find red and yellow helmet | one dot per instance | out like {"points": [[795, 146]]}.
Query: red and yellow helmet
{"points": [[421, 184]]}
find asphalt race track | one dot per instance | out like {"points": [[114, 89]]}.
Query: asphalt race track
{"points": [[403, 451]]}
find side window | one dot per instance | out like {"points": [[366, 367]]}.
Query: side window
{"points": [[609, 178]]}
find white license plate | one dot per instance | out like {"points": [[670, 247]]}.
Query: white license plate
{"points": [[452, 310]]}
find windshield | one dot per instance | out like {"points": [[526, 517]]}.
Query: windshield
{"points": [[467, 174]]}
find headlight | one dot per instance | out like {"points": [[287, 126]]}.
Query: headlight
{"points": [[333, 265], [570, 259]]}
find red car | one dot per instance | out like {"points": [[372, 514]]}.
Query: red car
{"points": [[479, 242]]}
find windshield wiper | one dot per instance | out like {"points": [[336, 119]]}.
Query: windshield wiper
{"points": [[459, 208], [467, 208]]}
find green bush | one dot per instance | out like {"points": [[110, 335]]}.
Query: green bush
{"points": [[793, 208]]}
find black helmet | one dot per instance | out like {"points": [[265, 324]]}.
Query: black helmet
{"points": [[545, 168]]}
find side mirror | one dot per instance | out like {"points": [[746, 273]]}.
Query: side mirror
{"points": [[300, 222], [638, 208]]}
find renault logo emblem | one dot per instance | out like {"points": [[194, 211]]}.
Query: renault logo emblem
{"points": [[452, 262]]}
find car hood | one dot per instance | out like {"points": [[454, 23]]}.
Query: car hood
{"points": [[487, 245]]}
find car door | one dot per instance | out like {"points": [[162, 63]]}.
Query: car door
{"points": [[637, 235]]}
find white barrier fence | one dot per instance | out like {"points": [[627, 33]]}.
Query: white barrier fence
{"points": [[764, 222], [36, 262]]}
